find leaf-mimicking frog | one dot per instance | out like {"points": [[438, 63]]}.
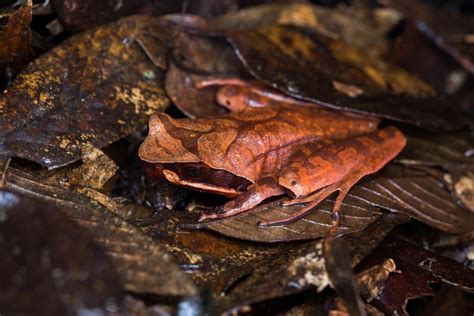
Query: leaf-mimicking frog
{"points": [[272, 145]]}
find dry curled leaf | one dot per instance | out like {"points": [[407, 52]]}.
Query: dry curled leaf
{"points": [[105, 89], [49, 264], [144, 265]]}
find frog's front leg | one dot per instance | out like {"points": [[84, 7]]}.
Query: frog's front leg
{"points": [[336, 167], [254, 195]]}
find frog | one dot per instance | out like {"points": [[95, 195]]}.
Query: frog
{"points": [[268, 145]]}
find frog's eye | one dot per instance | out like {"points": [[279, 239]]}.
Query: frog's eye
{"points": [[293, 182]]}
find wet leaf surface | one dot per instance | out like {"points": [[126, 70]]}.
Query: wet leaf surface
{"points": [[105, 89], [81, 108], [143, 264], [297, 58], [49, 264], [16, 50]]}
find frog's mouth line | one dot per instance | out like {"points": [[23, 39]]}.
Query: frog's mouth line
{"points": [[174, 178]]}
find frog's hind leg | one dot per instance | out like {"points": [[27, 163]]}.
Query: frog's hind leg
{"points": [[255, 194], [313, 200]]}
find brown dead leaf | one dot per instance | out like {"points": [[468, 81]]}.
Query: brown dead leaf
{"points": [[105, 89], [301, 267], [314, 225], [419, 267], [412, 193], [418, 195], [363, 33], [196, 58], [96, 170], [304, 66], [16, 50], [143, 264], [80, 15], [49, 265]]}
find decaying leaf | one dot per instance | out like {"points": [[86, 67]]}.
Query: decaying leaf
{"points": [[305, 65], [314, 225], [16, 50], [144, 265], [80, 15], [105, 89], [196, 58], [372, 281], [364, 34], [418, 268], [303, 266], [49, 265], [448, 150], [96, 170], [446, 28], [417, 195]]}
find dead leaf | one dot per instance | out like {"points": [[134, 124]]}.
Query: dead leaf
{"points": [[16, 50], [96, 170], [196, 58], [144, 265], [80, 15], [448, 150], [305, 65], [418, 195], [445, 28], [419, 268], [49, 265], [415, 194], [363, 33], [301, 267], [314, 225], [100, 93], [372, 281]]}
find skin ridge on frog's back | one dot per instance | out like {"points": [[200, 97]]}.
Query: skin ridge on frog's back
{"points": [[233, 142]]}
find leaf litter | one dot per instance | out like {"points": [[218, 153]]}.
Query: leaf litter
{"points": [[138, 228]]}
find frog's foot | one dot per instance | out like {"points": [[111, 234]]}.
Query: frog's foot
{"points": [[313, 200], [255, 194]]}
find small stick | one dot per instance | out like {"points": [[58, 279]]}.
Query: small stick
{"points": [[4, 174]]}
